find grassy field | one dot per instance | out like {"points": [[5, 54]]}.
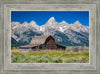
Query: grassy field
{"points": [[49, 56]]}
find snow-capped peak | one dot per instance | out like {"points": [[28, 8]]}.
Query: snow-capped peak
{"points": [[51, 22], [32, 22], [77, 23], [25, 23], [15, 23], [63, 22], [52, 19]]}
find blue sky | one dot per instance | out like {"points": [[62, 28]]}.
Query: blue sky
{"points": [[41, 17]]}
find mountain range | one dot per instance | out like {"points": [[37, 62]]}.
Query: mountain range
{"points": [[65, 34]]}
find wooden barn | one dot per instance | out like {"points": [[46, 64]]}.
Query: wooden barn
{"points": [[41, 43]]}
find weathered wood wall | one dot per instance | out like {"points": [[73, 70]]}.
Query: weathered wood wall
{"points": [[50, 43]]}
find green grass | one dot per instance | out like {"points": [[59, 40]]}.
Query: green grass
{"points": [[49, 56], [77, 60]]}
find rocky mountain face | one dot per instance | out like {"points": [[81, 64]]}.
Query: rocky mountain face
{"points": [[65, 34]]}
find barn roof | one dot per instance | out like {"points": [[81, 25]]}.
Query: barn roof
{"points": [[30, 45], [39, 40]]}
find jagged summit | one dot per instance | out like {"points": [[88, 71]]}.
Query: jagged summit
{"points": [[32, 22], [63, 22], [15, 23], [25, 23], [51, 20], [51, 23], [77, 23]]}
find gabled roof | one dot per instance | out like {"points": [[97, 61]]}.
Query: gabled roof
{"points": [[30, 45], [39, 39]]}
